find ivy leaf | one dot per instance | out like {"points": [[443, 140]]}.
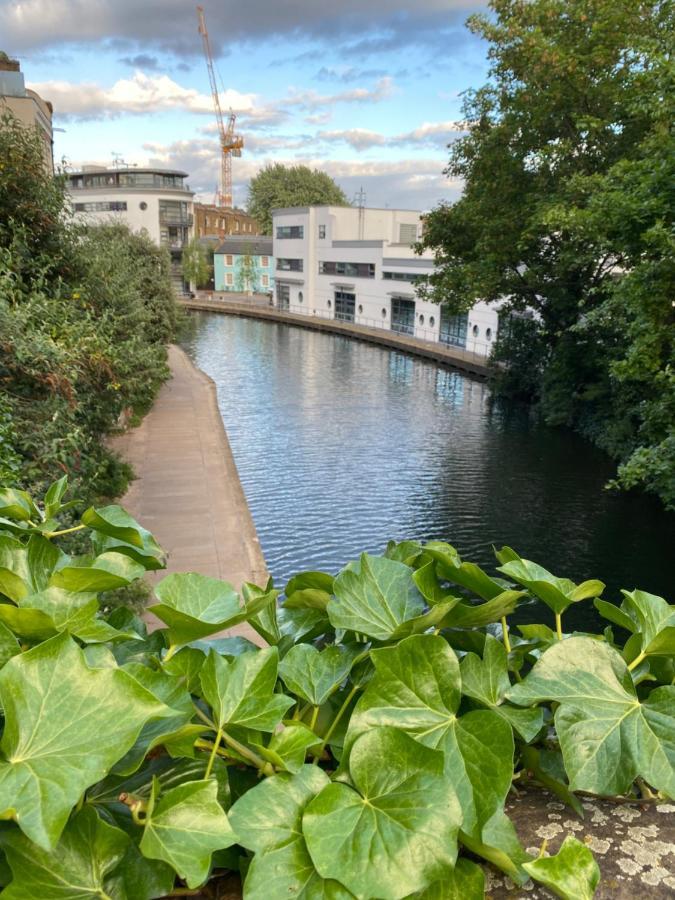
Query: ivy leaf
{"points": [[18, 505], [313, 675], [374, 596], [268, 821], [654, 619], [241, 692], [66, 725], [106, 572], [478, 615], [395, 831], [265, 619], [54, 496], [115, 522], [76, 869], [194, 606], [487, 681], [556, 593], [42, 558], [572, 873], [309, 590], [184, 826], [170, 691], [467, 575], [9, 645], [607, 736], [288, 748], [14, 571], [465, 882]]}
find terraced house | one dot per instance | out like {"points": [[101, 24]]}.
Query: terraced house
{"points": [[244, 264]]}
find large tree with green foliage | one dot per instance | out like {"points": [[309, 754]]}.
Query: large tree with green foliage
{"points": [[278, 186], [567, 213]]}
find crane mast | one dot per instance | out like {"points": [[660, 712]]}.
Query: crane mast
{"points": [[231, 144]]}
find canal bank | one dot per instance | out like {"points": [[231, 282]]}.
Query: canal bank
{"points": [[453, 357], [187, 489]]}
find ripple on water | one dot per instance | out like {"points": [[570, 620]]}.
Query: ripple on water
{"points": [[341, 446]]}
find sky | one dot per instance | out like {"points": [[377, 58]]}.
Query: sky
{"points": [[366, 90]]}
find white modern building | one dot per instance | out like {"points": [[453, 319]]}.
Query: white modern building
{"points": [[359, 265], [155, 201]]}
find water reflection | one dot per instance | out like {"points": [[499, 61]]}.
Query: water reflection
{"points": [[341, 446]]}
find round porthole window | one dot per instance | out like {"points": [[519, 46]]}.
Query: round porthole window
{"points": [[475, 331], [329, 304], [360, 309], [300, 298], [384, 313], [488, 334], [432, 321], [421, 320], [143, 204]]}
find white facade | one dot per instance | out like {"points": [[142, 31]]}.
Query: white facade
{"points": [[155, 201], [359, 265]]}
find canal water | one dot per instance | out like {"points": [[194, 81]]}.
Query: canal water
{"points": [[341, 446]]}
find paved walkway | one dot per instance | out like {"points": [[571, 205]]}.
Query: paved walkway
{"points": [[187, 491]]}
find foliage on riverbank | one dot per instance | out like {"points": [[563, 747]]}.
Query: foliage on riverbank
{"points": [[85, 316], [567, 213], [366, 752]]}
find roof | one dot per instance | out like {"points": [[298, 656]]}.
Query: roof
{"points": [[126, 170], [255, 244]]}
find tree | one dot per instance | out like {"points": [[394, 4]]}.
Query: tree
{"points": [[576, 104], [247, 272], [195, 263], [278, 186]]}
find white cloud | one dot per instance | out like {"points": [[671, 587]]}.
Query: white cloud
{"points": [[141, 93], [432, 134]]}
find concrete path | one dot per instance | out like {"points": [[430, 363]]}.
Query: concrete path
{"points": [[187, 490]]}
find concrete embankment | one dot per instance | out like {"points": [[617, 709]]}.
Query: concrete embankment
{"points": [[187, 490], [454, 357]]}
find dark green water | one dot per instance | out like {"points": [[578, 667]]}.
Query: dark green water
{"points": [[341, 446]]}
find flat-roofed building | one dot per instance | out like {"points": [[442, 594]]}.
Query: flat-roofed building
{"points": [[151, 200], [359, 265], [219, 221], [25, 105]]}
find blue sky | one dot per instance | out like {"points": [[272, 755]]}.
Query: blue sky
{"points": [[368, 91]]}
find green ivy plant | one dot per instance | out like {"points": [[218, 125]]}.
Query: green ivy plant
{"points": [[365, 750]]}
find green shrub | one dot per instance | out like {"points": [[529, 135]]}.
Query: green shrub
{"points": [[85, 316], [364, 752]]}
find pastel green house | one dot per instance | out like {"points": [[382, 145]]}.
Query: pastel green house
{"points": [[244, 264]]}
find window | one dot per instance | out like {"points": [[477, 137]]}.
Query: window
{"points": [[421, 320], [300, 297], [229, 278], [143, 205], [475, 331], [289, 265], [407, 234], [265, 280], [402, 315], [453, 329], [400, 276], [236, 224], [173, 212], [100, 206], [384, 313], [265, 262], [283, 296], [344, 306], [352, 270], [360, 309], [228, 259], [432, 321], [322, 232], [488, 334], [290, 231]]}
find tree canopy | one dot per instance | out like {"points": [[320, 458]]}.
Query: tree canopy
{"points": [[567, 217], [278, 186]]}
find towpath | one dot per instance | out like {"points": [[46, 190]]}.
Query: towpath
{"points": [[187, 490]]}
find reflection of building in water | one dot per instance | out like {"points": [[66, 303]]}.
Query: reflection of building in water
{"points": [[401, 368], [450, 387]]}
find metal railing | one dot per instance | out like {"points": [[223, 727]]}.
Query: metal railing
{"points": [[474, 349]]}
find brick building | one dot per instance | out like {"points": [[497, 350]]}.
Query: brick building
{"points": [[218, 221]]}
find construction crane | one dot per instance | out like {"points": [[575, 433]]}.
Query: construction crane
{"points": [[231, 144]]}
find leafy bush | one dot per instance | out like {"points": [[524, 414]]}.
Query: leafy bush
{"points": [[85, 315], [366, 752]]}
